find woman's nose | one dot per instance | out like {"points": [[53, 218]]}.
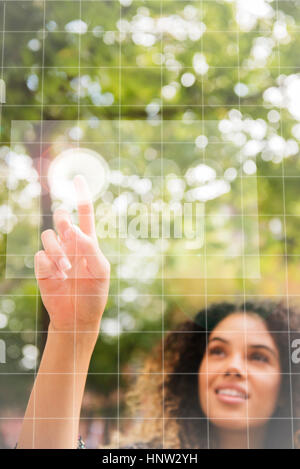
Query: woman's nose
{"points": [[233, 372], [235, 366]]}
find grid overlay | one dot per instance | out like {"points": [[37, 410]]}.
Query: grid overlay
{"points": [[286, 269], [120, 110]]}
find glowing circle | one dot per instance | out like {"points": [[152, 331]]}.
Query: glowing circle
{"points": [[75, 161]]}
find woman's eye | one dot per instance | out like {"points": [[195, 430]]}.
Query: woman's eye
{"points": [[259, 357], [216, 351]]}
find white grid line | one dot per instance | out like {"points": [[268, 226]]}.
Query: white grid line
{"points": [[243, 256], [38, 234], [205, 250], [162, 256], [286, 250], [119, 253], [163, 295]]}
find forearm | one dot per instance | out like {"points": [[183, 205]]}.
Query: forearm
{"points": [[53, 411]]}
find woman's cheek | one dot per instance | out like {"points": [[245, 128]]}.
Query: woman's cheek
{"points": [[203, 387], [264, 391]]}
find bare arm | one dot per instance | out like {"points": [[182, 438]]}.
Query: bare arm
{"points": [[75, 296]]}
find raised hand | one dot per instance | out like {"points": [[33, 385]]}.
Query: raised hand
{"points": [[72, 272]]}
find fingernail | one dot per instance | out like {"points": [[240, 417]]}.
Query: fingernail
{"points": [[60, 275], [64, 264]]}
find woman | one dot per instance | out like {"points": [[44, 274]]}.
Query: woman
{"points": [[228, 382], [227, 375]]}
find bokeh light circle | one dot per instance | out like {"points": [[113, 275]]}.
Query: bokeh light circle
{"points": [[71, 162]]}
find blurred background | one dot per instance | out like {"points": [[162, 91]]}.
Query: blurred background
{"points": [[196, 87]]}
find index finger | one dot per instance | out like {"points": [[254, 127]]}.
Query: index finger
{"points": [[85, 206]]}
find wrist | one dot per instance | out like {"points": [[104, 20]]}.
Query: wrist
{"points": [[87, 337], [69, 349]]}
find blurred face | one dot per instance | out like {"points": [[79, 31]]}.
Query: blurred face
{"points": [[239, 376]]}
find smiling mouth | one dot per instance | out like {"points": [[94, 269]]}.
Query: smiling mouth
{"points": [[233, 394]]}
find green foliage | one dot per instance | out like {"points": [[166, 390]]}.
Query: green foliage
{"points": [[125, 67]]}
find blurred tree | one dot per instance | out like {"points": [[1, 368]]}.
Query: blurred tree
{"points": [[218, 61]]}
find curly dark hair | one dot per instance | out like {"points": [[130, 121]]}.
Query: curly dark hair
{"points": [[185, 425]]}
